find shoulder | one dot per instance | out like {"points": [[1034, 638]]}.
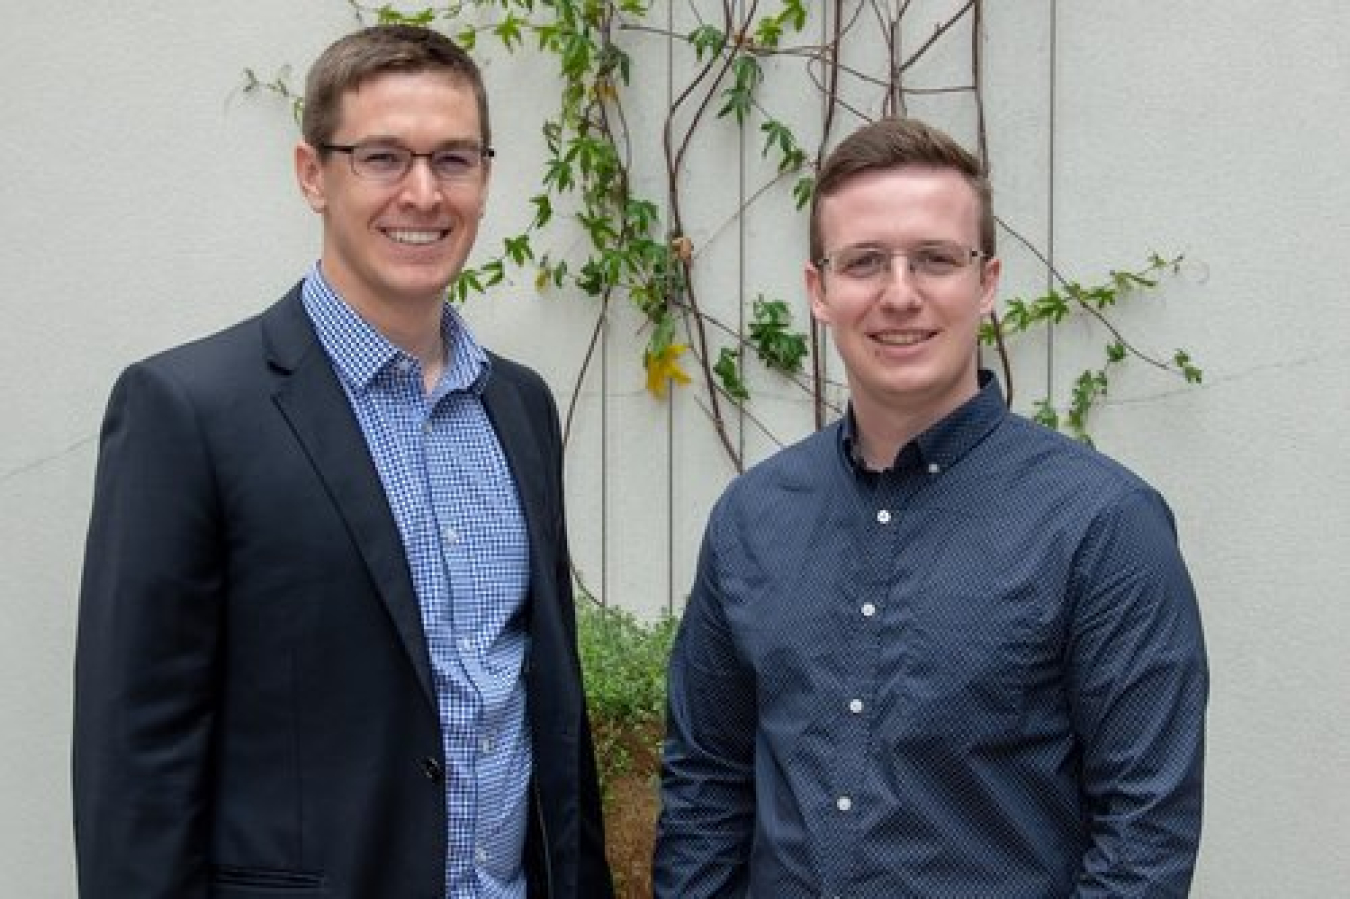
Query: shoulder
{"points": [[517, 374], [231, 360], [786, 483], [1043, 460], [1076, 494], [510, 382]]}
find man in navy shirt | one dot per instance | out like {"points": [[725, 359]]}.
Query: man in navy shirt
{"points": [[933, 650]]}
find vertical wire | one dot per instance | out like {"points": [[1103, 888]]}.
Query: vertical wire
{"points": [[605, 350], [741, 277], [670, 407], [1050, 196], [819, 336]]}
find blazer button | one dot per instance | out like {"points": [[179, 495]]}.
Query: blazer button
{"points": [[432, 769]]}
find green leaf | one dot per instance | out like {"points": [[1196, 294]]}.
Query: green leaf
{"points": [[518, 249], [769, 32], [776, 345], [1052, 306], [803, 190], [558, 173], [641, 215], [387, 15], [1189, 371], [467, 283], [740, 97], [728, 371], [612, 60], [591, 279], [1046, 414], [707, 39], [509, 31], [776, 134], [794, 13], [577, 54], [543, 210]]}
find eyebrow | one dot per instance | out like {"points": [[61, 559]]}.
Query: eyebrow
{"points": [[925, 243], [454, 143]]}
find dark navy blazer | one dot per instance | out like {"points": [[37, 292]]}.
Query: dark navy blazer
{"points": [[254, 710]]}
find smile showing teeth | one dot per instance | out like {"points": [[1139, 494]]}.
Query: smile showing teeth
{"points": [[419, 238], [902, 338]]}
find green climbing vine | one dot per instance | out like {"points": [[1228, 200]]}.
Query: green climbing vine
{"points": [[637, 248]]}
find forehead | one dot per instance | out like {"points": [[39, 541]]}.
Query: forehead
{"points": [[394, 103], [908, 203]]}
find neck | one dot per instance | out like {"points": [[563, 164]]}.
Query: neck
{"points": [[417, 333], [413, 326], [883, 428], [881, 434]]}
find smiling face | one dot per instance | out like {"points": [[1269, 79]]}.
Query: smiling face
{"points": [[397, 245], [907, 340]]}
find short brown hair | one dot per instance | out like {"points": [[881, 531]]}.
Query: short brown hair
{"points": [[373, 51], [892, 143]]}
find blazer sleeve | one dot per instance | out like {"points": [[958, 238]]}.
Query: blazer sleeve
{"points": [[593, 876], [147, 648]]}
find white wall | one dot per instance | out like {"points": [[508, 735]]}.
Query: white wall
{"points": [[143, 201]]}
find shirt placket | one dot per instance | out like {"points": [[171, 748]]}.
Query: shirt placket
{"points": [[869, 583]]}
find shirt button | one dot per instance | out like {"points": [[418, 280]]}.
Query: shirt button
{"points": [[844, 803], [934, 468], [884, 516], [485, 745], [480, 855], [451, 536], [855, 706], [868, 610]]}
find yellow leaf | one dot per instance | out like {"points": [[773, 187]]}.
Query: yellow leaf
{"points": [[664, 367]]}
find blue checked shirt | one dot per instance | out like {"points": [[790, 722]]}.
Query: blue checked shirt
{"points": [[463, 531], [977, 675]]}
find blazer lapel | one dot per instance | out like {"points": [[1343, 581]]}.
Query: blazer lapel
{"points": [[317, 409], [505, 409]]}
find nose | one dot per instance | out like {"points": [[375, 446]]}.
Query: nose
{"points": [[899, 284], [420, 186]]}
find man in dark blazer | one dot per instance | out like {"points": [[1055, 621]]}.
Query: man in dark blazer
{"points": [[327, 640]]}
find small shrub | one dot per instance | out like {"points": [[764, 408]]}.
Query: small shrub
{"points": [[623, 660]]}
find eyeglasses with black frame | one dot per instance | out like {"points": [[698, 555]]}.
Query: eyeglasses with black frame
{"points": [[933, 261], [389, 163]]}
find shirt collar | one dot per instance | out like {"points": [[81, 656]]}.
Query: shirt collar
{"points": [[360, 352], [947, 441]]}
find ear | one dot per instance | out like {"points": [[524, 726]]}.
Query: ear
{"points": [[309, 174], [815, 291], [993, 268]]}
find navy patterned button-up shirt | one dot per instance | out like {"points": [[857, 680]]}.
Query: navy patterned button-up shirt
{"points": [[454, 500], [977, 674]]}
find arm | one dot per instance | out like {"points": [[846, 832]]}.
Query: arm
{"points": [[593, 874], [147, 651], [707, 787], [1138, 684]]}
